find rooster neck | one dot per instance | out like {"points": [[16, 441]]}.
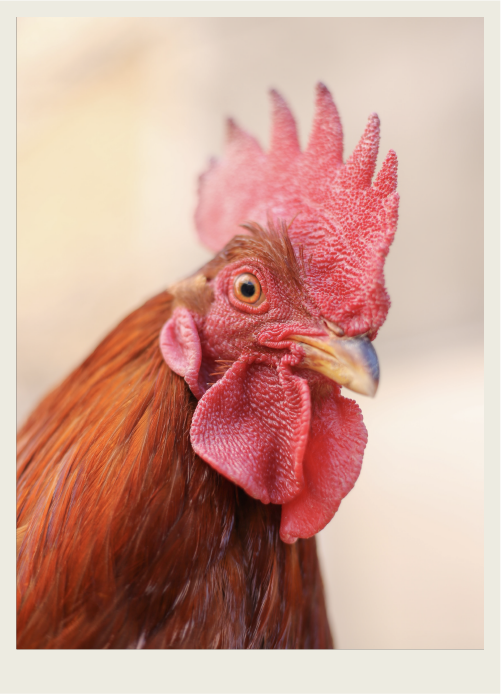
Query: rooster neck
{"points": [[128, 539]]}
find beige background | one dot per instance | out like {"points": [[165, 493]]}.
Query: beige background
{"points": [[117, 118]]}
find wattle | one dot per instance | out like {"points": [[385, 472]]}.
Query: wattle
{"points": [[262, 428], [331, 464]]}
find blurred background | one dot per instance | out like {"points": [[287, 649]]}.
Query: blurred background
{"points": [[116, 120]]}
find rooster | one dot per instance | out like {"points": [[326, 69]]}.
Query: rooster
{"points": [[169, 490]]}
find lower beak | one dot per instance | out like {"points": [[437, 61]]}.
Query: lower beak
{"points": [[350, 361]]}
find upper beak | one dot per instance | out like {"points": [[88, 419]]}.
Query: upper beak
{"points": [[350, 361]]}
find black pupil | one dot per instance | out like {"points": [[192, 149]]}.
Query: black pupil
{"points": [[248, 289]]}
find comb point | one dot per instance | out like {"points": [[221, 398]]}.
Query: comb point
{"points": [[284, 139], [325, 146], [360, 167], [386, 180]]}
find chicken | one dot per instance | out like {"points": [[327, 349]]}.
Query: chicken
{"points": [[169, 490]]}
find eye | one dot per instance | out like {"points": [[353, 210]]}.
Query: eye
{"points": [[247, 288]]}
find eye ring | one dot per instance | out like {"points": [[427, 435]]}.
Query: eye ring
{"points": [[247, 288]]}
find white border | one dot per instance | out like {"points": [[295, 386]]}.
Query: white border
{"points": [[242, 671]]}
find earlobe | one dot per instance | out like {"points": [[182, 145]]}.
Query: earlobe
{"points": [[181, 348]]}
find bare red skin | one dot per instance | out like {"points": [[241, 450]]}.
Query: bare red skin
{"points": [[284, 435], [257, 423], [343, 222]]}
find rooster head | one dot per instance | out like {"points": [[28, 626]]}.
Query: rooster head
{"points": [[266, 334]]}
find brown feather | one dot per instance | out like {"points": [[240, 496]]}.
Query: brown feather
{"points": [[128, 540]]}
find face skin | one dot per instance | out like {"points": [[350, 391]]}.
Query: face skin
{"points": [[266, 367], [233, 327], [270, 414], [280, 320]]}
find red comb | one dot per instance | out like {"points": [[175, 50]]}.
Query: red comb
{"points": [[344, 223]]}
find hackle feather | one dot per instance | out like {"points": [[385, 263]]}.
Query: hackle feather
{"points": [[128, 540]]}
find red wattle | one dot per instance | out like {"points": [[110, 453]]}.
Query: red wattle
{"points": [[332, 463], [252, 427]]}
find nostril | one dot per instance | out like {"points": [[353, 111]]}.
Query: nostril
{"points": [[334, 328]]}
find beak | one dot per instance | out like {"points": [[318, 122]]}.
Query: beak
{"points": [[350, 361]]}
